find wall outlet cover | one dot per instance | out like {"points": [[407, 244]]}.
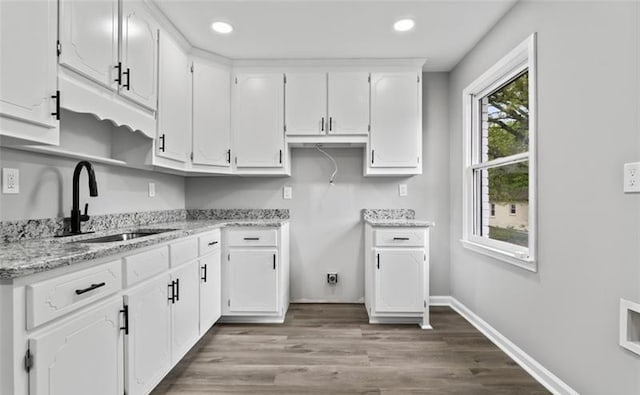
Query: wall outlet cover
{"points": [[10, 180], [287, 192], [632, 177], [152, 189], [402, 189]]}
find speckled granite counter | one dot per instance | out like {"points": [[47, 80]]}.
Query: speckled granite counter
{"points": [[394, 218], [22, 258]]}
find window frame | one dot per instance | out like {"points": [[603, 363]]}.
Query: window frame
{"points": [[519, 60]]}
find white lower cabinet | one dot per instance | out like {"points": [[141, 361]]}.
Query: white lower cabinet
{"points": [[253, 281], [210, 291], [81, 355], [185, 309], [148, 342], [399, 285]]}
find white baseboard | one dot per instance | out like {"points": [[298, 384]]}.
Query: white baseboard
{"points": [[533, 367]]}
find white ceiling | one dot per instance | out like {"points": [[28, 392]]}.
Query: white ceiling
{"points": [[265, 29]]}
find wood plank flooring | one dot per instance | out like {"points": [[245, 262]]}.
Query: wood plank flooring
{"points": [[331, 349]]}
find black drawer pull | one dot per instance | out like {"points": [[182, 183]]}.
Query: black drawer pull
{"points": [[89, 288], [252, 238], [400, 238], [212, 243]]}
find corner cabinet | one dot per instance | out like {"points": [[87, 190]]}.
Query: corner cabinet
{"points": [[397, 275], [29, 102], [395, 140], [258, 123]]}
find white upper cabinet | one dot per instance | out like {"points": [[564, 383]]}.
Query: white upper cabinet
{"points": [[258, 120], [89, 36], [28, 34], [174, 104], [211, 115], [399, 280], [396, 123], [348, 103], [306, 104], [139, 54]]}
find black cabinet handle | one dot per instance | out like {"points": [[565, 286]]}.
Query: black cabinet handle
{"points": [[400, 238], [229, 155], [90, 288], [56, 97], [162, 139], [204, 276], [330, 123], [280, 156], [172, 298], [251, 238], [177, 289], [373, 152], [274, 261], [125, 313], [378, 261], [119, 67], [128, 74], [212, 243], [322, 125]]}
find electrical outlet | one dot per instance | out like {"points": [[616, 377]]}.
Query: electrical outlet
{"points": [[287, 193], [10, 181], [402, 189], [152, 189], [332, 278], [632, 177]]}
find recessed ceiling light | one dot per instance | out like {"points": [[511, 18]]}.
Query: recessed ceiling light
{"points": [[222, 27], [404, 25]]}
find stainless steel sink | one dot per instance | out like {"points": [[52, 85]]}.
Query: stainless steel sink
{"points": [[125, 236]]}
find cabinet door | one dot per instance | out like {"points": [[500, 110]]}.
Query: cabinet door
{"points": [[148, 345], [139, 54], [89, 39], [306, 104], [210, 293], [211, 115], [348, 103], [186, 310], [396, 123], [399, 282], [173, 112], [28, 33], [258, 120], [253, 281], [81, 356]]}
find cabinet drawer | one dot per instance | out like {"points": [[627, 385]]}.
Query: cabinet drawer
{"points": [[146, 264], [252, 237], [53, 298], [183, 251], [209, 242], [400, 237]]}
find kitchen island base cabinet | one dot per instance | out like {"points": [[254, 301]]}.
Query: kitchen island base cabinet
{"points": [[80, 353]]}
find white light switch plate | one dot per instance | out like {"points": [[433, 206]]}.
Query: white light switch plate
{"points": [[402, 189], [10, 180], [152, 189], [632, 177], [287, 193]]}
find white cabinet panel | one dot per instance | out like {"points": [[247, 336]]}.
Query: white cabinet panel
{"points": [[80, 356], [399, 280], [258, 107], [348, 103], [306, 103], [395, 120], [28, 34], [148, 344], [173, 112], [211, 115], [139, 54], [253, 280], [186, 309], [89, 39], [210, 291]]}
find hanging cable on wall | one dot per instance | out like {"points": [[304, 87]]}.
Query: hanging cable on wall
{"points": [[335, 165]]}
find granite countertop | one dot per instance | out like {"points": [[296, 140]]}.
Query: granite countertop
{"points": [[22, 258], [396, 218]]}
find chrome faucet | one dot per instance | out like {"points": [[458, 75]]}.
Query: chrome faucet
{"points": [[76, 216]]}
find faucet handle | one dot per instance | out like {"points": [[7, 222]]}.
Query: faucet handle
{"points": [[85, 217]]}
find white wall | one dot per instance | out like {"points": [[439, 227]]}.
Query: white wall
{"points": [[326, 230], [566, 315], [46, 181]]}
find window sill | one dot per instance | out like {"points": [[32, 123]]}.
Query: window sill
{"points": [[524, 263]]}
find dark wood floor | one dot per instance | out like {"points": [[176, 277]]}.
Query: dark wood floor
{"points": [[331, 349]]}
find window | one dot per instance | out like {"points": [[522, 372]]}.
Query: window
{"points": [[499, 160]]}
